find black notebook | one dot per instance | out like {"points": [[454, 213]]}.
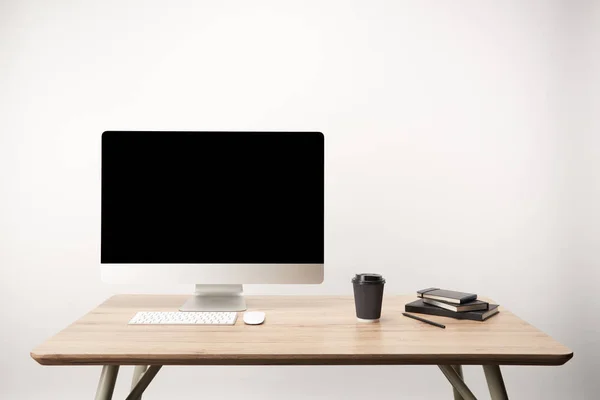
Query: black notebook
{"points": [[474, 305], [418, 306], [449, 296]]}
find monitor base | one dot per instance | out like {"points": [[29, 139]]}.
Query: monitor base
{"points": [[216, 298]]}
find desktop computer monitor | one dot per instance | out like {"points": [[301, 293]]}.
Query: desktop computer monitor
{"points": [[215, 209]]}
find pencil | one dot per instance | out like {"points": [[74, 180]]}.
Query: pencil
{"points": [[424, 320]]}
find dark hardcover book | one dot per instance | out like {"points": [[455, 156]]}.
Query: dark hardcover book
{"points": [[474, 305], [449, 296], [419, 307]]}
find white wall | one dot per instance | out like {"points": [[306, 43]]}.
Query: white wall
{"points": [[461, 152], [581, 189]]}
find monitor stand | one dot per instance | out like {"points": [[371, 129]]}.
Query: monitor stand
{"points": [[216, 298]]}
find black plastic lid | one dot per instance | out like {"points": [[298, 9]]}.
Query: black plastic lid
{"points": [[365, 279]]}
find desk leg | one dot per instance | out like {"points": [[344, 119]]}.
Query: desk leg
{"points": [[142, 384], [106, 385], [137, 374], [458, 369], [493, 376], [457, 382]]}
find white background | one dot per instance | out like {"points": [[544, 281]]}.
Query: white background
{"points": [[462, 151]]}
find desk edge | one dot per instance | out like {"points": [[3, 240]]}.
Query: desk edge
{"points": [[304, 359]]}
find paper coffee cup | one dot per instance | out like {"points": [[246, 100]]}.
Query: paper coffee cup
{"points": [[368, 296]]}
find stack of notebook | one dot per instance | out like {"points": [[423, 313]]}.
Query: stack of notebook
{"points": [[448, 303]]}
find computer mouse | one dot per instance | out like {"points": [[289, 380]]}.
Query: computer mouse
{"points": [[254, 317]]}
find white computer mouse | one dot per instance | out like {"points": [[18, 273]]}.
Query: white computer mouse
{"points": [[254, 317]]}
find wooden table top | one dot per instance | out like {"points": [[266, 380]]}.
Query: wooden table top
{"points": [[298, 330]]}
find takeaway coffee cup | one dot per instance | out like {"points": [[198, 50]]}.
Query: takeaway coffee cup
{"points": [[368, 296]]}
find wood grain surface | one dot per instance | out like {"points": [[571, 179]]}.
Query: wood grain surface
{"points": [[299, 330]]}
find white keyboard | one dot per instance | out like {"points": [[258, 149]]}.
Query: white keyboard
{"points": [[183, 318]]}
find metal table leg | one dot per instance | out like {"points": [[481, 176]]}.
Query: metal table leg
{"points": [[458, 369], [106, 385], [137, 374], [493, 376], [457, 382], [138, 371], [142, 384]]}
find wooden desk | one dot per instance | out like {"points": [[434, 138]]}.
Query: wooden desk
{"points": [[299, 330]]}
